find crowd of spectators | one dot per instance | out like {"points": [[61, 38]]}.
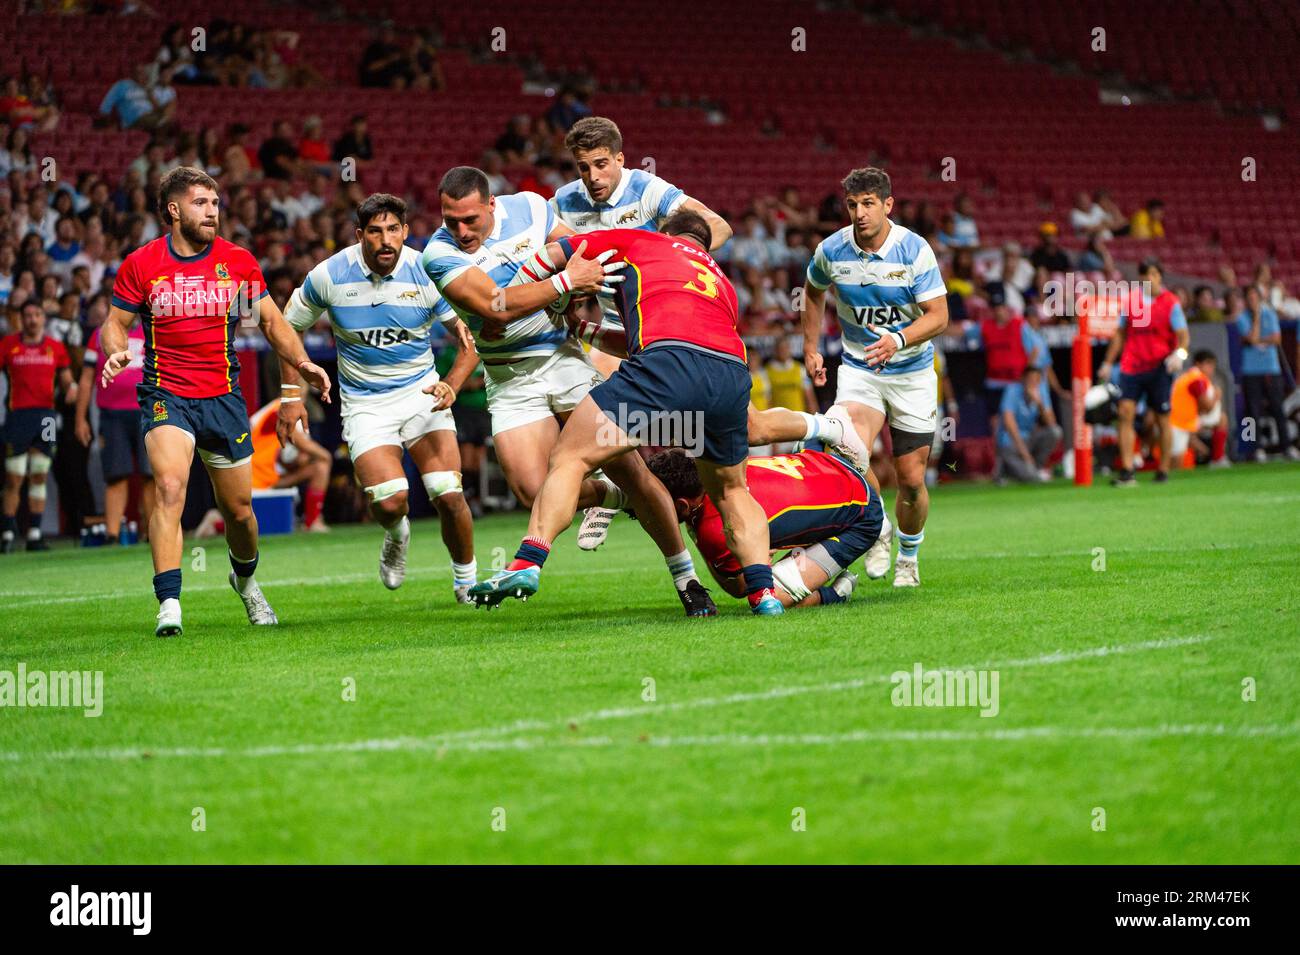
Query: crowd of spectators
{"points": [[62, 242]]}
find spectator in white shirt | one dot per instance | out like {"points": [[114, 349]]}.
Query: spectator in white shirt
{"points": [[1088, 218]]}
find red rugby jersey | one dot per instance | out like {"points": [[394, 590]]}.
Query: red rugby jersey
{"points": [[189, 306], [32, 370], [807, 497], [673, 291]]}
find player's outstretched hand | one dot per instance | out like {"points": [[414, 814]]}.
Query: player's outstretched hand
{"points": [[292, 416], [443, 393], [593, 276], [113, 367], [316, 376], [815, 365]]}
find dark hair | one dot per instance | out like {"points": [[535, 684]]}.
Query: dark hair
{"points": [[868, 179], [1030, 370], [460, 181], [594, 132], [32, 303], [1148, 264], [677, 471], [690, 224], [378, 204], [1204, 354], [177, 182]]}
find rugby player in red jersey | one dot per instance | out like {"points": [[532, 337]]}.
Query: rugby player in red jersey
{"points": [[34, 362], [190, 287], [818, 506], [685, 365]]}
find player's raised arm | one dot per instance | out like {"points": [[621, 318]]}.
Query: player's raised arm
{"points": [[717, 225]]}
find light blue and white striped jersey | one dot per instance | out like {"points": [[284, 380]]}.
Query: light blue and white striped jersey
{"points": [[381, 322], [522, 223], [879, 290], [639, 201]]}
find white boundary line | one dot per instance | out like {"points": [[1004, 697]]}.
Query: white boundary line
{"points": [[487, 738]]}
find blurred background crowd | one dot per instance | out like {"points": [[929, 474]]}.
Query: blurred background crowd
{"points": [[300, 114]]}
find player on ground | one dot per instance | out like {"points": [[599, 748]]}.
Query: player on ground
{"points": [[1151, 343], [817, 505], [890, 300], [685, 359], [34, 363], [609, 196], [382, 307], [190, 287], [483, 261]]}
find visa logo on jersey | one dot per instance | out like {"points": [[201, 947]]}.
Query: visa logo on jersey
{"points": [[379, 337], [878, 315]]}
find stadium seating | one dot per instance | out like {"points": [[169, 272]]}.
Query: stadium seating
{"points": [[692, 94]]}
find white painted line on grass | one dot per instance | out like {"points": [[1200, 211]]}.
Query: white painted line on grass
{"points": [[488, 738]]}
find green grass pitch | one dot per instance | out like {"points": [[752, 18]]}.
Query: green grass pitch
{"points": [[525, 735]]}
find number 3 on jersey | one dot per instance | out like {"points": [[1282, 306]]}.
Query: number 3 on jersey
{"points": [[708, 280]]}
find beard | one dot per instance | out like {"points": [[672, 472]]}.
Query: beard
{"points": [[196, 233]]}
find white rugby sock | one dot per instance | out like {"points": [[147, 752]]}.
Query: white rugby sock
{"points": [[614, 497], [401, 530], [821, 428], [464, 575], [682, 568]]}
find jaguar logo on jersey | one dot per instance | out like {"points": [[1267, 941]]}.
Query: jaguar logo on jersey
{"points": [[523, 245], [411, 295], [379, 337], [630, 216], [878, 315], [159, 411], [899, 274]]}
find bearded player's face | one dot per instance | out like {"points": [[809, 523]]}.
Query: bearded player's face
{"points": [[198, 215], [381, 242]]}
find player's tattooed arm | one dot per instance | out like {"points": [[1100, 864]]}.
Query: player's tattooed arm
{"points": [[810, 320], [287, 343], [932, 321], [718, 225]]}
